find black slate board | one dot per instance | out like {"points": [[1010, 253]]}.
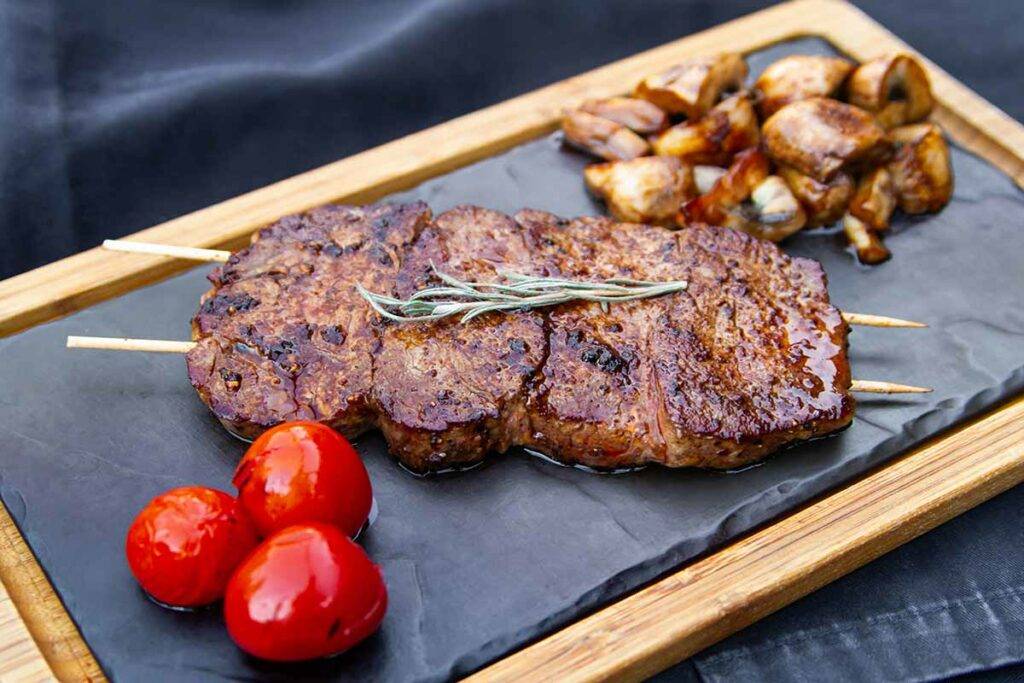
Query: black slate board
{"points": [[480, 563]]}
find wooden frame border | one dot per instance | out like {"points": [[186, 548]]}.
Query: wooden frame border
{"points": [[676, 616]]}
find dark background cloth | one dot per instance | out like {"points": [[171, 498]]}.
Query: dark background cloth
{"points": [[117, 115]]}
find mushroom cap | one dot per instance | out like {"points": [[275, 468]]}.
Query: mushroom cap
{"points": [[894, 88], [692, 87], [748, 199], [824, 203], [638, 115], [820, 137], [602, 137], [729, 127], [921, 170], [875, 199], [799, 77], [643, 190]]}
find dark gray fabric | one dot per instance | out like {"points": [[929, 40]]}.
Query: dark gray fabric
{"points": [[120, 114]]}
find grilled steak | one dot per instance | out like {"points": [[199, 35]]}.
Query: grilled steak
{"points": [[751, 357]]}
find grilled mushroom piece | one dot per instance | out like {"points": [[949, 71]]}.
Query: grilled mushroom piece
{"points": [[644, 190], [894, 88], [638, 115], [799, 77], [865, 242], [921, 170], [746, 198], [821, 137], [693, 87], [731, 126], [875, 199], [824, 203], [602, 137]]}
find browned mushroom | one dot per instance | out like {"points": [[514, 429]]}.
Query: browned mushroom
{"points": [[865, 242], [823, 202], [602, 137], [875, 199], [635, 114], [693, 87], [799, 77], [894, 88], [921, 170], [644, 190], [820, 137], [730, 127], [747, 198]]}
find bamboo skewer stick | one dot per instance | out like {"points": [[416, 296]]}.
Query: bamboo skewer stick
{"points": [[868, 386], [124, 344], [868, 320], [221, 256], [165, 346], [189, 253]]}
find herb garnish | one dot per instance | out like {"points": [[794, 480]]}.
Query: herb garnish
{"points": [[518, 293]]}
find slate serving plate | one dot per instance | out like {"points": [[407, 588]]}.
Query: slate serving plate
{"points": [[480, 563]]}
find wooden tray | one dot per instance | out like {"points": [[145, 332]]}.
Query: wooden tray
{"points": [[688, 610]]}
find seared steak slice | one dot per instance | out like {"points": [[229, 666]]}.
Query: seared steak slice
{"points": [[594, 400], [448, 393], [284, 334], [751, 356]]}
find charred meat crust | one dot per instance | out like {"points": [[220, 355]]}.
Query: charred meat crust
{"points": [[750, 358]]}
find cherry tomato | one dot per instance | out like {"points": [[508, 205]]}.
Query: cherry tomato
{"points": [[185, 544], [303, 472], [307, 591]]}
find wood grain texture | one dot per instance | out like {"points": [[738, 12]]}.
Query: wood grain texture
{"points": [[63, 651], [20, 659], [700, 604]]}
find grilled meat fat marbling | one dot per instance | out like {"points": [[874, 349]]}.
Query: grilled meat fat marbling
{"points": [[750, 358]]}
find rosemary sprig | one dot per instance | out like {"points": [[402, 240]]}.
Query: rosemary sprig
{"points": [[518, 293]]}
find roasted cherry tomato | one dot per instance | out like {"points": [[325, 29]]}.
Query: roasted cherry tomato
{"points": [[303, 472], [307, 591], [185, 544]]}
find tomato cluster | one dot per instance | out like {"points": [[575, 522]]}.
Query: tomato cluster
{"points": [[306, 590]]}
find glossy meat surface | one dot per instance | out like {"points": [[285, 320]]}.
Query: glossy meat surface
{"points": [[284, 335], [751, 357]]}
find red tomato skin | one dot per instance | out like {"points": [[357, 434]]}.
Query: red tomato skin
{"points": [[301, 472], [307, 591], [185, 544]]}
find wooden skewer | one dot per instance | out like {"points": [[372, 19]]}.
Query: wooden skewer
{"points": [[868, 386], [221, 256], [123, 344], [164, 346], [190, 253], [869, 320]]}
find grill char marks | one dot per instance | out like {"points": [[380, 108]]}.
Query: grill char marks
{"points": [[595, 401], [750, 358], [449, 393], [305, 350]]}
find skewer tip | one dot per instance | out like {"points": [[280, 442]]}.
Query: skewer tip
{"points": [[874, 387], [868, 320]]}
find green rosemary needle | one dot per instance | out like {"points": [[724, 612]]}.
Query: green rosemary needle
{"points": [[517, 293]]}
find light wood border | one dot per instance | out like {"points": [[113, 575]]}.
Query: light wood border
{"points": [[691, 609]]}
